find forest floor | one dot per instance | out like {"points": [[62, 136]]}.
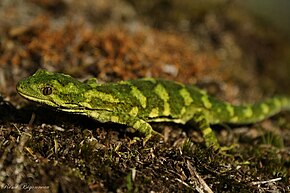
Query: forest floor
{"points": [[217, 46]]}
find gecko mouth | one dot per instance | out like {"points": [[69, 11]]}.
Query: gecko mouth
{"points": [[35, 99], [50, 103], [67, 107]]}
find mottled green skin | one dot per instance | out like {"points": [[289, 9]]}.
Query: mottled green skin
{"points": [[137, 102]]}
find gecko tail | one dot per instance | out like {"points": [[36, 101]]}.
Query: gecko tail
{"points": [[247, 114]]}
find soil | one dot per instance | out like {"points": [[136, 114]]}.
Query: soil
{"points": [[216, 45]]}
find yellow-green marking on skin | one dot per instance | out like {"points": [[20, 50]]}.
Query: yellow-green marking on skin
{"points": [[139, 95], [248, 112], [265, 108], [152, 80], [207, 131], [206, 101], [277, 102], [183, 110], [230, 109], [86, 104], [163, 94], [134, 111], [114, 119], [186, 96], [102, 96], [154, 113], [234, 119]]}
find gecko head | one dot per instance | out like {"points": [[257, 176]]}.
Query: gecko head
{"points": [[53, 89]]}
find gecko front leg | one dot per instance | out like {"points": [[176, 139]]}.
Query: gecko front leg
{"points": [[144, 128], [138, 124]]}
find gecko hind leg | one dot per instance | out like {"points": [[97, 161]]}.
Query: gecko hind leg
{"points": [[199, 120]]}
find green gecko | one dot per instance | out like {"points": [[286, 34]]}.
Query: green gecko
{"points": [[136, 103]]}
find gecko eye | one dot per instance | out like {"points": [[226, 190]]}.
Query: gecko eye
{"points": [[47, 90]]}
